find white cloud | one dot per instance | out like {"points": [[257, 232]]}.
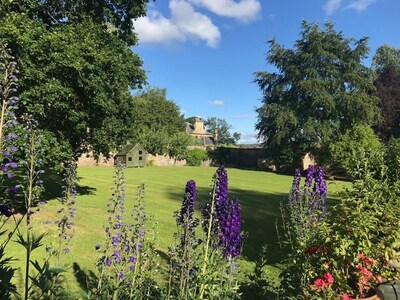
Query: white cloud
{"points": [[216, 103], [185, 23], [244, 10], [155, 28], [194, 24], [331, 6], [360, 5]]}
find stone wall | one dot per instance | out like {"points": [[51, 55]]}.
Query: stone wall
{"points": [[87, 160]]}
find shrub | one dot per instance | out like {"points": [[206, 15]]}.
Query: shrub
{"points": [[353, 147], [194, 157]]}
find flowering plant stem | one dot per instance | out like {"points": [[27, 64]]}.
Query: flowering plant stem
{"points": [[28, 203], [208, 241]]}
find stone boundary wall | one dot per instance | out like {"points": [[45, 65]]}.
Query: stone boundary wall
{"points": [[87, 160]]}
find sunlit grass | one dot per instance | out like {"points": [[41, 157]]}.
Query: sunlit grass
{"points": [[259, 194]]}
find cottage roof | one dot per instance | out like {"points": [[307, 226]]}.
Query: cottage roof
{"points": [[128, 148]]}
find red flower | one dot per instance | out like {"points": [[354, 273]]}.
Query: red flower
{"points": [[346, 297], [364, 271], [328, 278], [311, 250], [320, 284], [322, 250], [365, 259]]}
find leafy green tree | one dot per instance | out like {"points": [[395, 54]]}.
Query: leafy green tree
{"points": [[114, 15], [386, 56], [318, 91], [357, 145], [387, 85], [76, 68], [386, 66], [158, 124], [221, 127]]}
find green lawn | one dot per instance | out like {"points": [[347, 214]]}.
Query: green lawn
{"points": [[259, 194]]}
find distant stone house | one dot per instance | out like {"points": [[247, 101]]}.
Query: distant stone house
{"points": [[204, 138], [132, 156]]}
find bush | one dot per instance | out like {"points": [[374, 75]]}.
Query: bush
{"points": [[355, 146], [194, 157]]}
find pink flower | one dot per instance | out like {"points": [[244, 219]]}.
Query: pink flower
{"points": [[367, 260], [328, 278], [346, 297], [320, 284]]}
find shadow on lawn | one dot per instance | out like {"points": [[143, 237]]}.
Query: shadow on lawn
{"points": [[52, 182], [87, 280], [260, 212]]}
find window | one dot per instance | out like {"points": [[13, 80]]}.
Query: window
{"points": [[140, 158], [140, 152], [129, 158]]}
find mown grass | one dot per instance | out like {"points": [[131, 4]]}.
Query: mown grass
{"points": [[259, 194]]}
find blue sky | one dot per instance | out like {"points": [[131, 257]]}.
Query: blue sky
{"points": [[205, 52]]}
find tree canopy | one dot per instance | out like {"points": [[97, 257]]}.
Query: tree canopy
{"points": [[388, 90], [386, 65], [76, 68], [385, 57], [158, 124], [221, 127], [319, 90]]}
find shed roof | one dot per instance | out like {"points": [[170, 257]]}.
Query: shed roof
{"points": [[128, 148]]}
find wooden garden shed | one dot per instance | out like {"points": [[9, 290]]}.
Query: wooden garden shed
{"points": [[132, 156]]}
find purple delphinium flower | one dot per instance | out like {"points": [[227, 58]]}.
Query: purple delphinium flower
{"points": [[319, 191], [226, 215], [108, 262], [13, 190], [216, 203], [309, 176], [189, 199], [5, 210], [120, 275], [230, 226], [117, 256], [295, 192], [97, 247]]}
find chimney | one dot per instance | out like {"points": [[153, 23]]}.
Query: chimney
{"points": [[216, 136], [198, 126]]}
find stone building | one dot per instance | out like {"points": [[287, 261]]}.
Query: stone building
{"points": [[197, 130]]}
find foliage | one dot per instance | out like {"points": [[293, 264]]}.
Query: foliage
{"points": [[183, 257], [195, 156], [392, 159], [362, 234], [221, 128], [302, 212], [256, 285], [384, 58], [157, 124], [114, 15], [350, 251], [355, 145], [8, 98], [320, 90], [127, 254], [75, 70], [221, 223], [387, 85]]}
